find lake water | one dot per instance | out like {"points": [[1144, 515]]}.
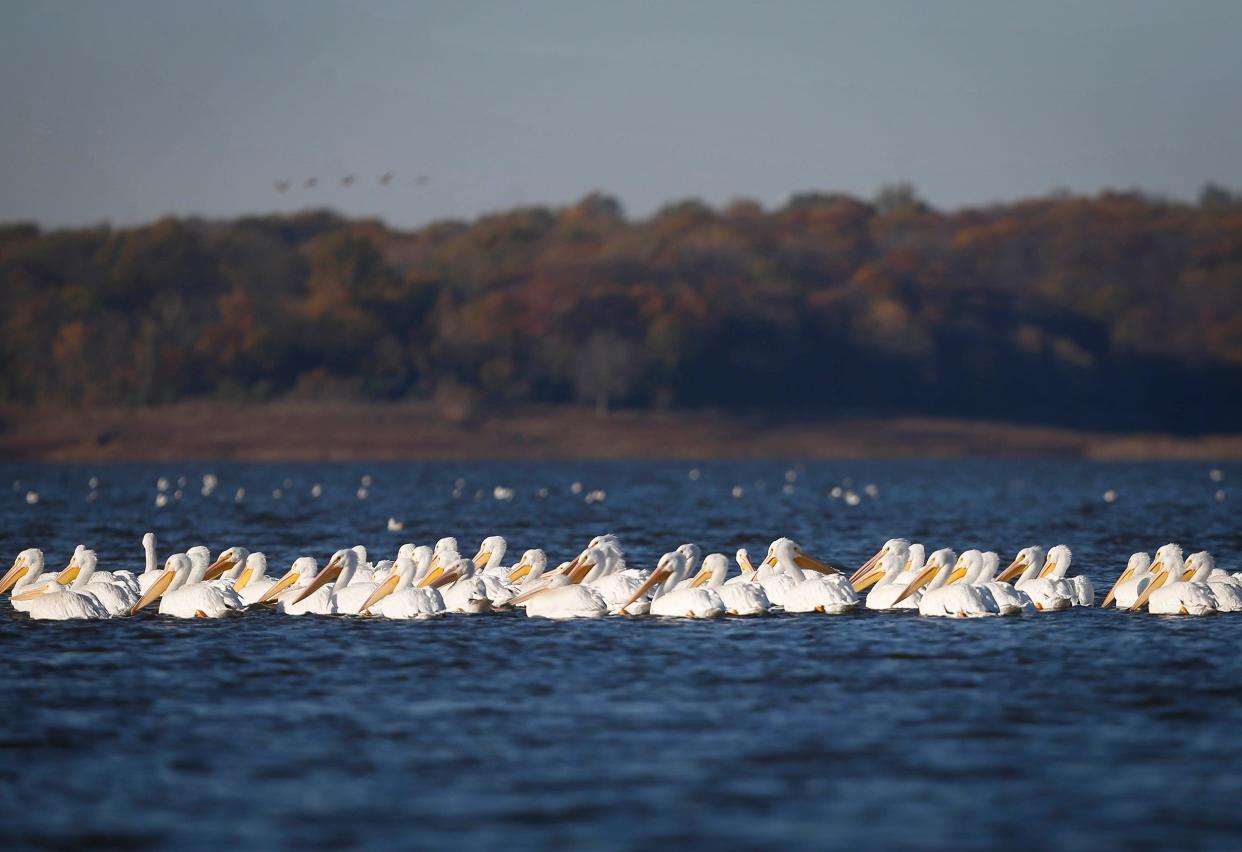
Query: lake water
{"points": [[1079, 729]]}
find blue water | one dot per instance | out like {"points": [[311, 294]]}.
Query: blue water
{"points": [[1083, 729]]}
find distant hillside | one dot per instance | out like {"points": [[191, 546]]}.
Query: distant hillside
{"points": [[1116, 311]]}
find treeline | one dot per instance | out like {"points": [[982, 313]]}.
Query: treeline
{"points": [[1116, 311]]}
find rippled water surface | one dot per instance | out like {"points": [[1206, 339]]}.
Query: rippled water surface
{"points": [[1083, 729]]}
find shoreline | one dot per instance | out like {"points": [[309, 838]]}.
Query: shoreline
{"points": [[298, 430]]}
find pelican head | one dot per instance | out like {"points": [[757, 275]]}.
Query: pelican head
{"points": [[403, 571], [934, 574], [714, 571], [28, 566], [1057, 562], [1199, 566], [693, 554], [1138, 566], [80, 568], [890, 564], [743, 561], [226, 562], [529, 568], [786, 553], [177, 570], [1026, 560], [893, 545], [303, 568], [256, 566], [491, 551], [340, 568], [668, 571]]}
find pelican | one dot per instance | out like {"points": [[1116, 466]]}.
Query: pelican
{"points": [[65, 597], [746, 566], [825, 590], [1081, 592], [738, 598], [1132, 582], [562, 595], [397, 597], [490, 554], [1047, 593], [946, 594], [227, 567], [669, 601], [463, 592], [1226, 588], [113, 594], [345, 597], [287, 590], [1186, 593], [152, 571], [896, 546], [253, 583], [882, 577], [1009, 601], [25, 575], [183, 594]]}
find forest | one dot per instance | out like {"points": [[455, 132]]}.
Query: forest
{"points": [[1117, 310]]}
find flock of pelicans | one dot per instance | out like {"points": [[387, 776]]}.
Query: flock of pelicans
{"points": [[424, 582]]}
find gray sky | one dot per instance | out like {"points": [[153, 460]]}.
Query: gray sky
{"points": [[131, 109]]}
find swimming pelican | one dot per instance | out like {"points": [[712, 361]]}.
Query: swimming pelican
{"points": [[114, 595], [825, 590], [563, 595], [346, 595], [1226, 588], [65, 598], [152, 570], [286, 591], [1132, 582], [669, 601], [1056, 566], [1009, 600], [25, 575], [1047, 593], [462, 590], [738, 598], [882, 577], [253, 583], [946, 594], [1174, 590], [183, 594], [397, 597]]}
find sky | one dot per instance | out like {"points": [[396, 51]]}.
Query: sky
{"points": [[129, 110]]}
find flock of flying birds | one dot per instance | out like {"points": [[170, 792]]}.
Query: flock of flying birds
{"points": [[425, 582]]}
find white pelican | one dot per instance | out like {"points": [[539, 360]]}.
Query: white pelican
{"points": [[882, 576], [397, 597], [898, 547], [669, 601], [65, 598], [1226, 588], [738, 598], [1174, 590], [825, 590], [946, 594], [25, 575], [183, 594], [462, 590], [252, 583], [746, 566], [113, 594], [562, 595], [1009, 601], [1047, 593], [1056, 566], [227, 567], [152, 571], [502, 588], [1132, 582], [490, 554], [286, 591], [346, 595]]}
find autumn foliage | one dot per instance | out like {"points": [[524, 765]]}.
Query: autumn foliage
{"points": [[1116, 310]]}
